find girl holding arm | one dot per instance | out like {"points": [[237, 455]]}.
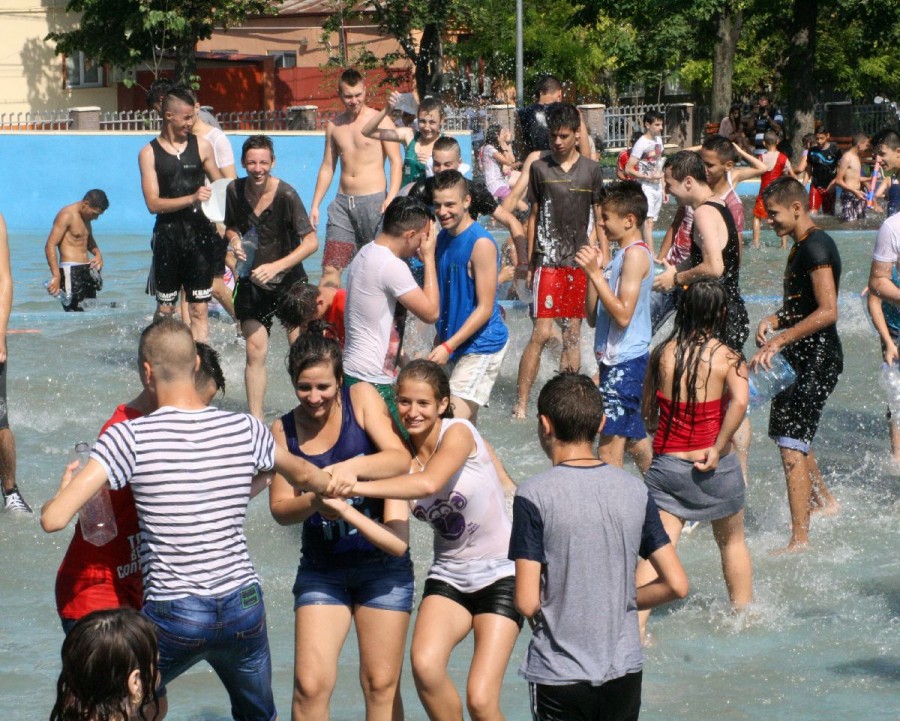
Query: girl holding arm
{"points": [[418, 143], [454, 487], [696, 396], [354, 563]]}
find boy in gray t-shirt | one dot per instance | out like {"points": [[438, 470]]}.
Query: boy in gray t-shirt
{"points": [[578, 530]]}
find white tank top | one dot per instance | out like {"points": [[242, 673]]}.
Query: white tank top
{"points": [[469, 520]]}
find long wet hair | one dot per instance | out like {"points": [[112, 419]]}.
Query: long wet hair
{"points": [[699, 326], [431, 373], [312, 349], [99, 654]]}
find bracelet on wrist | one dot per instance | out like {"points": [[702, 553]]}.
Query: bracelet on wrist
{"points": [[446, 347]]}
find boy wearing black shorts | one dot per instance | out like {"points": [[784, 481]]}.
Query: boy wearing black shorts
{"points": [[271, 209], [565, 187], [809, 342], [584, 661]]}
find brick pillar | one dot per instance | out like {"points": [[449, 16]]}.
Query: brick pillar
{"points": [[87, 118], [302, 117], [680, 124], [594, 117]]}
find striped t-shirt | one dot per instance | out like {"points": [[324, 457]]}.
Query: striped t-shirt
{"points": [[190, 472]]}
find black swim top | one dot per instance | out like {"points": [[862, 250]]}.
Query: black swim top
{"points": [[178, 175]]}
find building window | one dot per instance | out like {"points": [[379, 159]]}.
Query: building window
{"points": [[81, 72], [283, 59]]}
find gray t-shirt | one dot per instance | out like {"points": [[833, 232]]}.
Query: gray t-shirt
{"points": [[586, 526]]}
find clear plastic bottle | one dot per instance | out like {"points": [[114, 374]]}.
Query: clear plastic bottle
{"points": [[766, 384], [889, 380], [249, 244], [97, 518], [62, 296]]}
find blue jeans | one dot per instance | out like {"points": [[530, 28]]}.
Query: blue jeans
{"points": [[229, 633]]}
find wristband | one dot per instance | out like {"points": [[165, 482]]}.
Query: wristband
{"points": [[446, 347]]}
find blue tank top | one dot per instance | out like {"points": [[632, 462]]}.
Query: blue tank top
{"points": [[457, 290], [891, 311], [614, 345], [337, 544]]}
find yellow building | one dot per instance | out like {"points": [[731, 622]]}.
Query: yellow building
{"points": [[32, 77]]}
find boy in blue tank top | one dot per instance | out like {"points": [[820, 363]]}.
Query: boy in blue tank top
{"points": [[617, 305], [470, 331]]}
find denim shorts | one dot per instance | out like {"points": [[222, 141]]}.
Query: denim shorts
{"points": [[229, 633], [384, 582]]}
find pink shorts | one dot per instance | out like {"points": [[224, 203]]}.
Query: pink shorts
{"points": [[502, 192], [559, 292]]}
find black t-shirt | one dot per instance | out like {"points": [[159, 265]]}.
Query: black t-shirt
{"points": [[816, 251], [535, 134], [483, 203], [280, 228], [823, 163], [564, 207]]}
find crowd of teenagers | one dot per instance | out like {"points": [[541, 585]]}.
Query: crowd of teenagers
{"points": [[586, 550]]}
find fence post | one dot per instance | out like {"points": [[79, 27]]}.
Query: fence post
{"points": [[680, 124], [594, 118], [502, 115], [302, 117], [86, 118]]}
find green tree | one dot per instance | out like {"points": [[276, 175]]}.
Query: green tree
{"points": [[125, 33]]}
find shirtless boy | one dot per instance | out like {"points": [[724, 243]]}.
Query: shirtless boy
{"points": [[849, 180], [67, 248], [363, 193]]}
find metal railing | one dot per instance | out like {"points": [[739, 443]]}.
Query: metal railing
{"points": [[40, 120], [255, 120], [147, 120], [622, 120]]}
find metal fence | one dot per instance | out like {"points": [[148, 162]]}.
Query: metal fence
{"points": [[41, 120], [147, 120], [623, 120], [255, 120]]}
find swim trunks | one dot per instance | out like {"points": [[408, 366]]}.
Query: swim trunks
{"points": [[253, 302], [819, 200], [183, 252], [852, 207], [81, 281], [353, 221], [622, 390], [559, 292]]}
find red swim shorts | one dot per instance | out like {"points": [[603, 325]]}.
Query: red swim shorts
{"points": [[559, 292]]}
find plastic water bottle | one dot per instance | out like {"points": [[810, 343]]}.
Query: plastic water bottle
{"points": [[249, 244], [63, 296], [889, 380], [97, 519], [658, 268], [766, 384]]}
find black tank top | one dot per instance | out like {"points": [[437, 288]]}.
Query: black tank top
{"points": [[731, 253], [179, 175]]}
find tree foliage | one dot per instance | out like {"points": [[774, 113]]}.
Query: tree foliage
{"points": [[125, 33]]}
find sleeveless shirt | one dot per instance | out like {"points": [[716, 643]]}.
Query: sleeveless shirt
{"points": [[179, 175]]}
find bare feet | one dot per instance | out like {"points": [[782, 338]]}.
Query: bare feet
{"points": [[519, 412], [792, 547], [829, 508]]}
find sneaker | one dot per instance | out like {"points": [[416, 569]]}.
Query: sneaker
{"points": [[15, 503]]}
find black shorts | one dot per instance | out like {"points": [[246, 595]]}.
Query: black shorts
{"points": [[795, 414], [81, 282], [498, 598], [220, 252], [4, 411], [254, 303], [737, 326], [615, 700], [184, 253]]}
